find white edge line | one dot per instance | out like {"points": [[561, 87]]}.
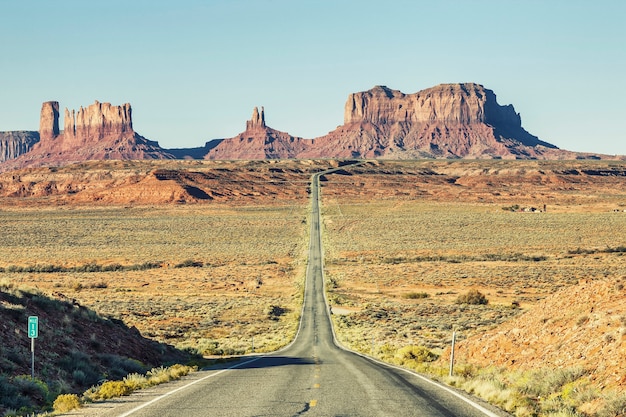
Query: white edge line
{"points": [[159, 398]]}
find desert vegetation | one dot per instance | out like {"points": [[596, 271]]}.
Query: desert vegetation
{"points": [[406, 268], [414, 251], [211, 281], [77, 348], [202, 279]]}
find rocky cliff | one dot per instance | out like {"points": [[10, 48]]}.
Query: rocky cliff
{"points": [[446, 121], [49, 120], [16, 143], [99, 131], [449, 120]]}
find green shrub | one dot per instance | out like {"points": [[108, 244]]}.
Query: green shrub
{"points": [[66, 402], [474, 297]]}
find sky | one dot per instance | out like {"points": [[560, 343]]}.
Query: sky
{"points": [[194, 70]]}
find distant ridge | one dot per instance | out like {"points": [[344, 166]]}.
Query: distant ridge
{"points": [[448, 121]]}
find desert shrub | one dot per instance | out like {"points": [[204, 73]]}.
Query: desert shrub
{"points": [[119, 366], [615, 405], [474, 297], [112, 268], [23, 393], [412, 355], [416, 295], [274, 312], [111, 389], [79, 365], [66, 402], [189, 263], [32, 388], [136, 381], [8, 394], [544, 382], [161, 374]]}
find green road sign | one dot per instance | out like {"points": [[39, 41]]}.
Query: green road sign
{"points": [[33, 327]]}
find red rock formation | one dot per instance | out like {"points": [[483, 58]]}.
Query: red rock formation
{"points": [[449, 120], [257, 121], [49, 120], [446, 121], [258, 142], [99, 131], [16, 143]]}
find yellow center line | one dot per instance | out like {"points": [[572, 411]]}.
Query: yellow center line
{"points": [[313, 403], [316, 385]]}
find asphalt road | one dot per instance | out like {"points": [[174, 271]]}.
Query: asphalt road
{"points": [[311, 377]]}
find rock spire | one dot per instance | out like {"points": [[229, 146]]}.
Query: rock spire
{"points": [[49, 120], [257, 121]]}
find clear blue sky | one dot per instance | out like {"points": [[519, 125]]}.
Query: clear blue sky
{"points": [[194, 70]]}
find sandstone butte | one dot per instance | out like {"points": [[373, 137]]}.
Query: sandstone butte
{"points": [[100, 131], [446, 121]]}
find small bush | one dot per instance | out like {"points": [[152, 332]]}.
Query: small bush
{"points": [[274, 312], [112, 389], [189, 263], [417, 354], [66, 402], [474, 297], [614, 406], [136, 381], [416, 295]]}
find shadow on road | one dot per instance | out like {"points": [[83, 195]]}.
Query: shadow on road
{"points": [[262, 362]]}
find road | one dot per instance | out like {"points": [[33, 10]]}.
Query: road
{"points": [[311, 377]]}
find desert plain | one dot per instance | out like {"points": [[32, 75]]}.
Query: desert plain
{"points": [[210, 256]]}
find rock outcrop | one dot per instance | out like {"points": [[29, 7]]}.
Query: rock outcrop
{"points": [[257, 121], [99, 131], [258, 142], [49, 120], [16, 143], [449, 120], [98, 121], [446, 121]]}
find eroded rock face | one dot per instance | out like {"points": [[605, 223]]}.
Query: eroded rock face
{"points": [[49, 120], [259, 141], [99, 131], [257, 121], [447, 103], [16, 143], [446, 121]]}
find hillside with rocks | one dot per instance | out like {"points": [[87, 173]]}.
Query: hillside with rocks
{"points": [[583, 325], [76, 348]]}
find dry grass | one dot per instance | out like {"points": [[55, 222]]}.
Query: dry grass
{"points": [[250, 257], [379, 253]]}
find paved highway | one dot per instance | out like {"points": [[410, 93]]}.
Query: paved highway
{"points": [[311, 377]]}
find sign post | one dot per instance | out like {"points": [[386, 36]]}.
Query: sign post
{"points": [[452, 353], [33, 333]]}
